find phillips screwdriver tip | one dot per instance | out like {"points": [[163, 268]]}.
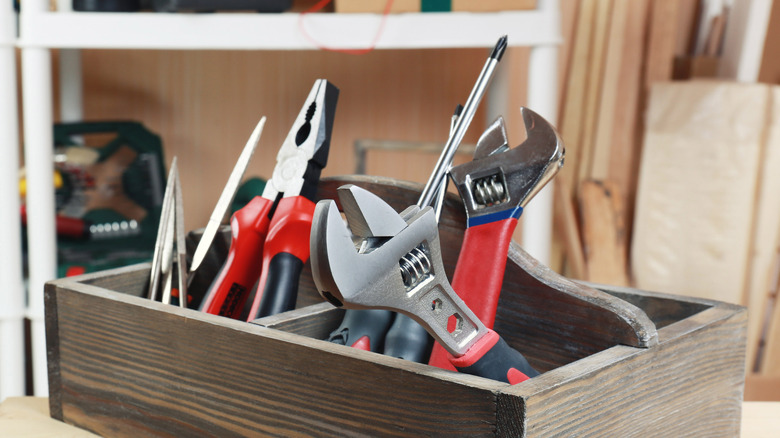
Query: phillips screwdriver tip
{"points": [[500, 48]]}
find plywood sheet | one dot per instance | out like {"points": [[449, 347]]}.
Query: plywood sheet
{"points": [[766, 248], [697, 186]]}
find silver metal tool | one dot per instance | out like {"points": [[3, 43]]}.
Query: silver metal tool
{"points": [[157, 257], [402, 272], [462, 123], [170, 247], [181, 245], [223, 204], [500, 180]]}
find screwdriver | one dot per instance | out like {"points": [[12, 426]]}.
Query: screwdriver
{"points": [[406, 338]]}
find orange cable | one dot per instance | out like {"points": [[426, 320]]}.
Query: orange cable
{"points": [[321, 4]]}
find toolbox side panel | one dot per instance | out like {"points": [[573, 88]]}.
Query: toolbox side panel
{"points": [[690, 384], [555, 321], [131, 367], [316, 321], [51, 316]]}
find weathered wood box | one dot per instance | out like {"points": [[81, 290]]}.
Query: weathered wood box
{"points": [[615, 362]]}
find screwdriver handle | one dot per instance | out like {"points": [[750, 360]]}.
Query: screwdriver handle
{"points": [[406, 339], [232, 287], [285, 252], [493, 358], [479, 274], [363, 329]]}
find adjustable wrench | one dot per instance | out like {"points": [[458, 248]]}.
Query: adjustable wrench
{"points": [[494, 187], [397, 335], [400, 269]]}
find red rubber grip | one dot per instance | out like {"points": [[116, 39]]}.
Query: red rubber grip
{"points": [[288, 232], [364, 343], [241, 270], [493, 358], [479, 275]]}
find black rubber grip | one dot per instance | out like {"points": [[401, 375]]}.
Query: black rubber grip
{"points": [[497, 363], [408, 340], [372, 324], [281, 286], [204, 276]]}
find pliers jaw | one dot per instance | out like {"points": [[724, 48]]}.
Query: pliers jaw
{"points": [[304, 152], [500, 181]]}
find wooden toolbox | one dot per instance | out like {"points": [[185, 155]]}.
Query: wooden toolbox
{"points": [[615, 362]]}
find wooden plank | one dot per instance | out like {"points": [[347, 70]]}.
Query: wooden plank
{"points": [[701, 157], [573, 104], [626, 130], [770, 62], [567, 225], [609, 103], [662, 41], [765, 236], [604, 232], [540, 310], [595, 82], [114, 359], [690, 385]]}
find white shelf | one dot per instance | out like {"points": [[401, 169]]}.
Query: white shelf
{"points": [[255, 31]]}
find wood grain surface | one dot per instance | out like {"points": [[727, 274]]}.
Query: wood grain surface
{"points": [[697, 186], [130, 367], [604, 232], [690, 384]]}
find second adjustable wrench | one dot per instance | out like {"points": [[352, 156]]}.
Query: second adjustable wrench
{"points": [[495, 187]]}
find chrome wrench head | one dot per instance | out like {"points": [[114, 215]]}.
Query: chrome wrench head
{"points": [[500, 180], [402, 272]]}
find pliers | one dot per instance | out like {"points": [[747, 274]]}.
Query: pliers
{"points": [[270, 235]]}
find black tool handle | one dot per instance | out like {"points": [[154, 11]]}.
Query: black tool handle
{"points": [[493, 358], [281, 286], [363, 329], [408, 340]]}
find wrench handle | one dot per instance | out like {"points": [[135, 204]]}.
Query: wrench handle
{"points": [[230, 290], [285, 251], [479, 275], [491, 357], [363, 329], [406, 339]]}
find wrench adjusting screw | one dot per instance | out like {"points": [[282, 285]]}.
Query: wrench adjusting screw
{"points": [[489, 190], [415, 266]]}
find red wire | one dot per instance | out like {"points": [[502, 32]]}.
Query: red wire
{"points": [[321, 4]]}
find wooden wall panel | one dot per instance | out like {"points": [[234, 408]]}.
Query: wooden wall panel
{"points": [[205, 104]]}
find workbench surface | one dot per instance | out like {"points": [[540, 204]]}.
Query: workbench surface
{"points": [[28, 417]]}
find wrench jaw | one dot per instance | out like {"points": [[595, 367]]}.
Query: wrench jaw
{"points": [[499, 182], [404, 274]]}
